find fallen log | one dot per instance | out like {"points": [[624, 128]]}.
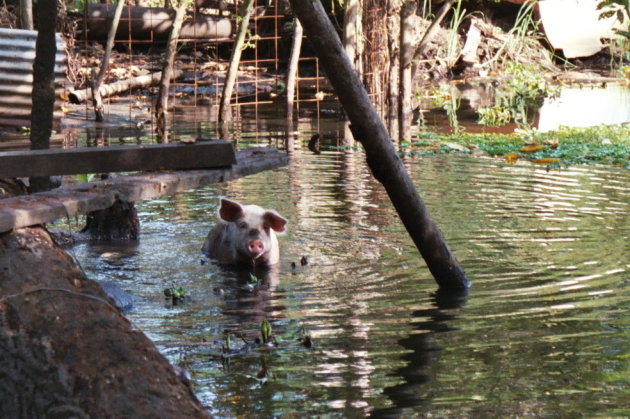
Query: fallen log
{"points": [[67, 350], [106, 90], [154, 24]]}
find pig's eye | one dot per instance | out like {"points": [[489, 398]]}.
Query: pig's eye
{"points": [[242, 225]]}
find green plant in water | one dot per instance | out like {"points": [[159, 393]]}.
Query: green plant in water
{"points": [[452, 41], [525, 88], [605, 144], [447, 98], [86, 177], [265, 331]]}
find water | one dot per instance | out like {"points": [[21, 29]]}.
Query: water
{"points": [[543, 331], [574, 106]]}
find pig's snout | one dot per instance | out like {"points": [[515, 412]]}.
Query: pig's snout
{"points": [[255, 248]]}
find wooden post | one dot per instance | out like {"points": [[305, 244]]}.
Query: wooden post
{"points": [[382, 158], [43, 95], [230, 78], [161, 106]]}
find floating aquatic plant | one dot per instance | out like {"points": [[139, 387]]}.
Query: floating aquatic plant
{"points": [[605, 144]]}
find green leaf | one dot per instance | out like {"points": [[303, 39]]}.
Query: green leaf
{"points": [[265, 330]]}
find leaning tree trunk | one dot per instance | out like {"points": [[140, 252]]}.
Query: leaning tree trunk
{"points": [[67, 351], [161, 107], [43, 95], [230, 78], [292, 70], [380, 152], [96, 84]]}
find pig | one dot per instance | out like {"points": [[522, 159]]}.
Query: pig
{"points": [[245, 235]]}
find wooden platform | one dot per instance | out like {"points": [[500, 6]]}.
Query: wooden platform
{"points": [[26, 210], [55, 162]]}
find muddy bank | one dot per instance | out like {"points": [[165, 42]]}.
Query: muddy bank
{"points": [[67, 350]]}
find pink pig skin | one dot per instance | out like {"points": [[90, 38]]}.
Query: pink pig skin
{"points": [[245, 235]]}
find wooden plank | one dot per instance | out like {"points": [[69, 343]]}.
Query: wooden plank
{"points": [[43, 207], [54, 162]]}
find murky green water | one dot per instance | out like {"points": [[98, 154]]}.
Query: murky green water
{"points": [[544, 330]]}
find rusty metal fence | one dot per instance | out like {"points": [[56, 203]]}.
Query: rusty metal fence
{"points": [[209, 32]]}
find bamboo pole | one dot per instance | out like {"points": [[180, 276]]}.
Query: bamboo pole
{"points": [[382, 158]]}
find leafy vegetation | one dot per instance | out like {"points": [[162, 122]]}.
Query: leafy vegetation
{"points": [[175, 294], [567, 146], [616, 8], [525, 88]]}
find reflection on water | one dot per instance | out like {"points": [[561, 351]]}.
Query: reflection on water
{"points": [[575, 106], [543, 332], [586, 107]]}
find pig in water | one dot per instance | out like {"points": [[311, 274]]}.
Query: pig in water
{"points": [[246, 235]]}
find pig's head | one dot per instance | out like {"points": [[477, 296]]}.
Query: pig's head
{"points": [[253, 231]]}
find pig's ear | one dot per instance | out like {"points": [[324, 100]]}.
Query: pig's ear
{"points": [[275, 220], [230, 210]]}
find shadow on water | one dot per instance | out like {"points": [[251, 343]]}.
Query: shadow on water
{"points": [[249, 294], [422, 352]]}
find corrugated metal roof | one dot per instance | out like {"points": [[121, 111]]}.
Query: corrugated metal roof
{"points": [[17, 53]]}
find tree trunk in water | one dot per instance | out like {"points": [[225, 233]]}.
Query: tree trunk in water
{"points": [[161, 107], [43, 95], [393, 85], [26, 14], [230, 78], [292, 70], [353, 33], [67, 351], [381, 155], [406, 29], [96, 84], [118, 222]]}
